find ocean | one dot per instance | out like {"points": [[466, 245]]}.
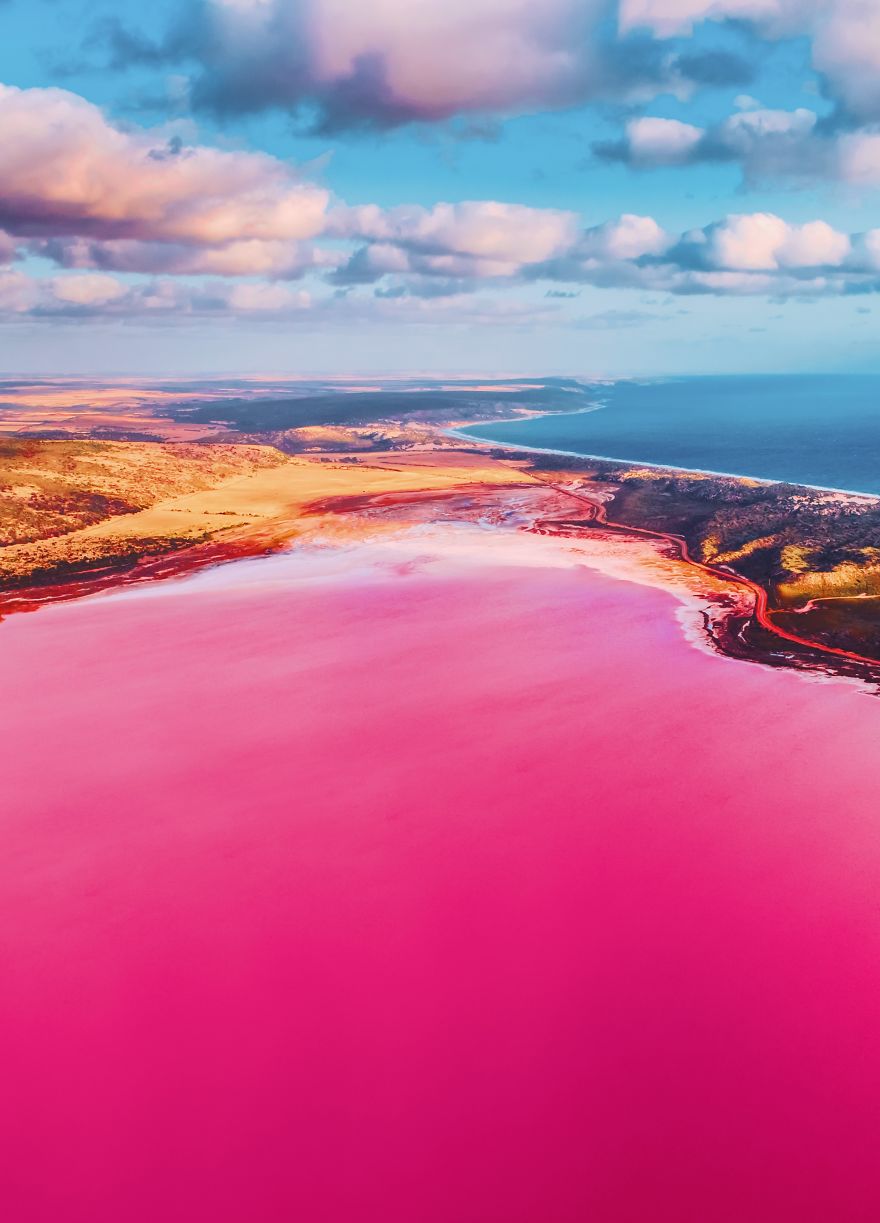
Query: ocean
{"points": [[821, 430]]}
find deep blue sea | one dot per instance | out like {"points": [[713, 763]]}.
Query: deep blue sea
{"points": [[803, 429]]}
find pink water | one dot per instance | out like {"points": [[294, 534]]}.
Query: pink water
{"points": [[430, 895]]}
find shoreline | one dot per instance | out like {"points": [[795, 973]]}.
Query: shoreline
{"points": [[459, 433], [442, 473], [760, 614], [727, 609]]}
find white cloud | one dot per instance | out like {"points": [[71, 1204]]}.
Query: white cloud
{"points": [[859, 158], [673, 17], [750, 125], [750, 253], [629, 237], [352, 65], [661, 141], [814, 244], [845, 35], [756, 254], [249, 257], [18, 292], [65, 170], [748, 243], [479, 229], [88, 290], [439, 59], [474, 239], [770, 145]]}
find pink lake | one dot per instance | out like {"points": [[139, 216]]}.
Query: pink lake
{"points": [[383, 888]]}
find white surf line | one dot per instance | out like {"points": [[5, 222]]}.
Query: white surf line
{"points": [[607, 458]]}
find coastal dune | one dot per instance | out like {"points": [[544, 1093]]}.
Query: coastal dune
{"points": [[430, 876]]}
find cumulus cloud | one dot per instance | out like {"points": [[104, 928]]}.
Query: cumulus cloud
{"points": [[766, 142], [845, 36], [163, 302], [670, 17], [481, 238], [629, 238], [761, 242], [389, 62], [752, 253], [857, 156], [96, 290], [396, 61], [471, 240], [484, 229], [65, 170], [758, 254], [92, 296], [18, 293], [368, 264], [660, 142], [249, 257], [769, 145], [108, 205]]}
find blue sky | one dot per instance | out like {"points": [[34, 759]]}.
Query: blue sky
{"points": [[317, 186]]}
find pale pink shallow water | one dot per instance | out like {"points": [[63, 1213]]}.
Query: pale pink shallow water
{"points": [[430, 895]]}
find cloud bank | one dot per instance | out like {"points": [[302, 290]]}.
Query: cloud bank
{"points": [[397, 61], [65, 169], [134, 225], [747, 254], [769, 145], [754, 254], [391, 62], [844, 34]]}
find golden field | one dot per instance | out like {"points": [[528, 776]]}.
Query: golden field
{"points": [[69, 506]]}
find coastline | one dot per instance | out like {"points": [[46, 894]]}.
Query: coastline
{"points": [[459, 433], [760, 610], [353, 483]]}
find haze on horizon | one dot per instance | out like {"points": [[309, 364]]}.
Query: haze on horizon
{"points": [[592, 187]]}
